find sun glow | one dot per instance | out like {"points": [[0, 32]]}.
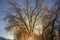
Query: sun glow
{"points": [[39, 27], [9, 37], [38, 30]]}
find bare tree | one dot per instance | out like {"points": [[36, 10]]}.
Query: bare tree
{"points": [[25, 18], [31, 21]]}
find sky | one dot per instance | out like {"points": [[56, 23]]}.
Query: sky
{"points": [[3, 32], [4, 7]]}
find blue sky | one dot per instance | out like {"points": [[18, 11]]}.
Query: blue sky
{"points": [[4, 7]]}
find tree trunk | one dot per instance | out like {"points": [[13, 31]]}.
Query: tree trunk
{"points": [[29, 37]]}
